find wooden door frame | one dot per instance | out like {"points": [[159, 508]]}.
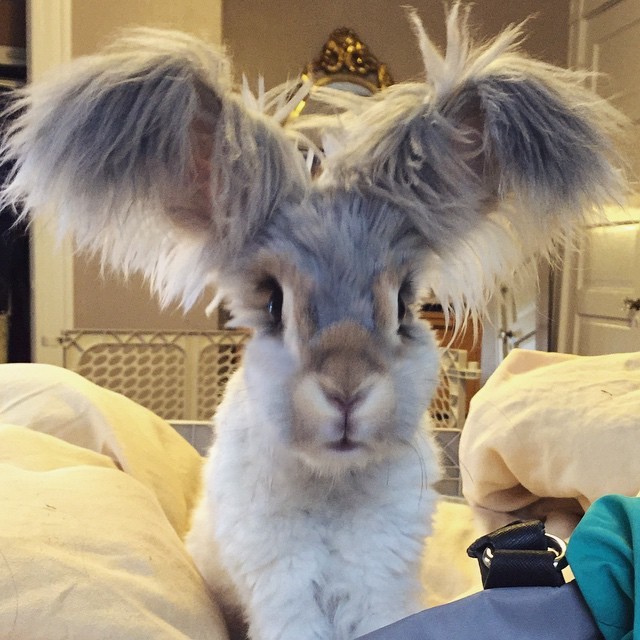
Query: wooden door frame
{"points": [[49, 45]]}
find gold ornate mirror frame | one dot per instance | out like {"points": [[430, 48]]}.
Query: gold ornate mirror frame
{"points": [[345, 62], [346, 59]]}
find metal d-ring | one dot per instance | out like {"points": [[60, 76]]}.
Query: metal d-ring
{"points": [[555, 544]]}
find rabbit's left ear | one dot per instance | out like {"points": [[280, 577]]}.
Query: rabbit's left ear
{"points": [[145, 155], [492, 158]]}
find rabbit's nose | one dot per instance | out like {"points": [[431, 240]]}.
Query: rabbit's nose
{"points": [[344, 403]]}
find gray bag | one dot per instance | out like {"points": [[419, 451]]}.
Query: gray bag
{"points": [[525, 596], [512, 613]]}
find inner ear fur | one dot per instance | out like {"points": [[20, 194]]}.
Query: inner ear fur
{"points": [[466, 113], [190, 207]]}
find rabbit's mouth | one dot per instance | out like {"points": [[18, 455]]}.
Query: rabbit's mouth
{"points": [[345, 444]]}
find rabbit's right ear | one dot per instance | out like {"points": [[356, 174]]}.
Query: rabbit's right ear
{"points": [[492, 159], [144, 154]]}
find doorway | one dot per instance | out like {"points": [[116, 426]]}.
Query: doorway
{"points": [[15, 287]]}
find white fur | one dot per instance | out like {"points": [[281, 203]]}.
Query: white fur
{"points": [[299, 544]]}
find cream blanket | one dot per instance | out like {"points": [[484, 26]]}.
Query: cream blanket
{"points": [[95, 493], [550, 433], [95, 496]]}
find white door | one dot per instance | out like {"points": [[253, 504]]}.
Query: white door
{"points": [[601, 280], [517, 318], [605, 317]]}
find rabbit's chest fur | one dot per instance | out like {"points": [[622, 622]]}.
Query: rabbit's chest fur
{"points": [[310, 556]]}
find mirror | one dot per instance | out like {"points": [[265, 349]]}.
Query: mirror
{"points": [[348, 62], [345, 63]]}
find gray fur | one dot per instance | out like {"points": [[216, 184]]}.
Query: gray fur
{"points": [[343, 243], [110, 146], [149, 158], [492, 158]]}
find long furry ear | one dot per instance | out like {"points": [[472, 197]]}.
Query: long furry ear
{"points": [[491, 158], [145, 155]]}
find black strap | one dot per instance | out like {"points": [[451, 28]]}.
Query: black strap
{"points": [[518, 555]]}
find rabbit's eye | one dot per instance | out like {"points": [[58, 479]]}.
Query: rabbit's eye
{"points": [[269, 290], [405, 293], [402, 308], [405, 296], [274, 306]]}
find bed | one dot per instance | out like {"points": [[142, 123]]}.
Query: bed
{"points": [[96, 492]]}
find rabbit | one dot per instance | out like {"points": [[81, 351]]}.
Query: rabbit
{"points": [[318, 490]]}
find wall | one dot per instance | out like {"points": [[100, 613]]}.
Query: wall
{"points": [[277, 38], [110, 302], [95, 21]]}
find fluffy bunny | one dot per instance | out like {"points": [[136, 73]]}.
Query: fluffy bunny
{"points": [[318, 493]]}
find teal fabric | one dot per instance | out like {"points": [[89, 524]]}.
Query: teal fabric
{"points": [[601, 556]]}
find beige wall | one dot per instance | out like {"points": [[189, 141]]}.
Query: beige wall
{"points": [[95, 21], [277, 38], [111, 303]]}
